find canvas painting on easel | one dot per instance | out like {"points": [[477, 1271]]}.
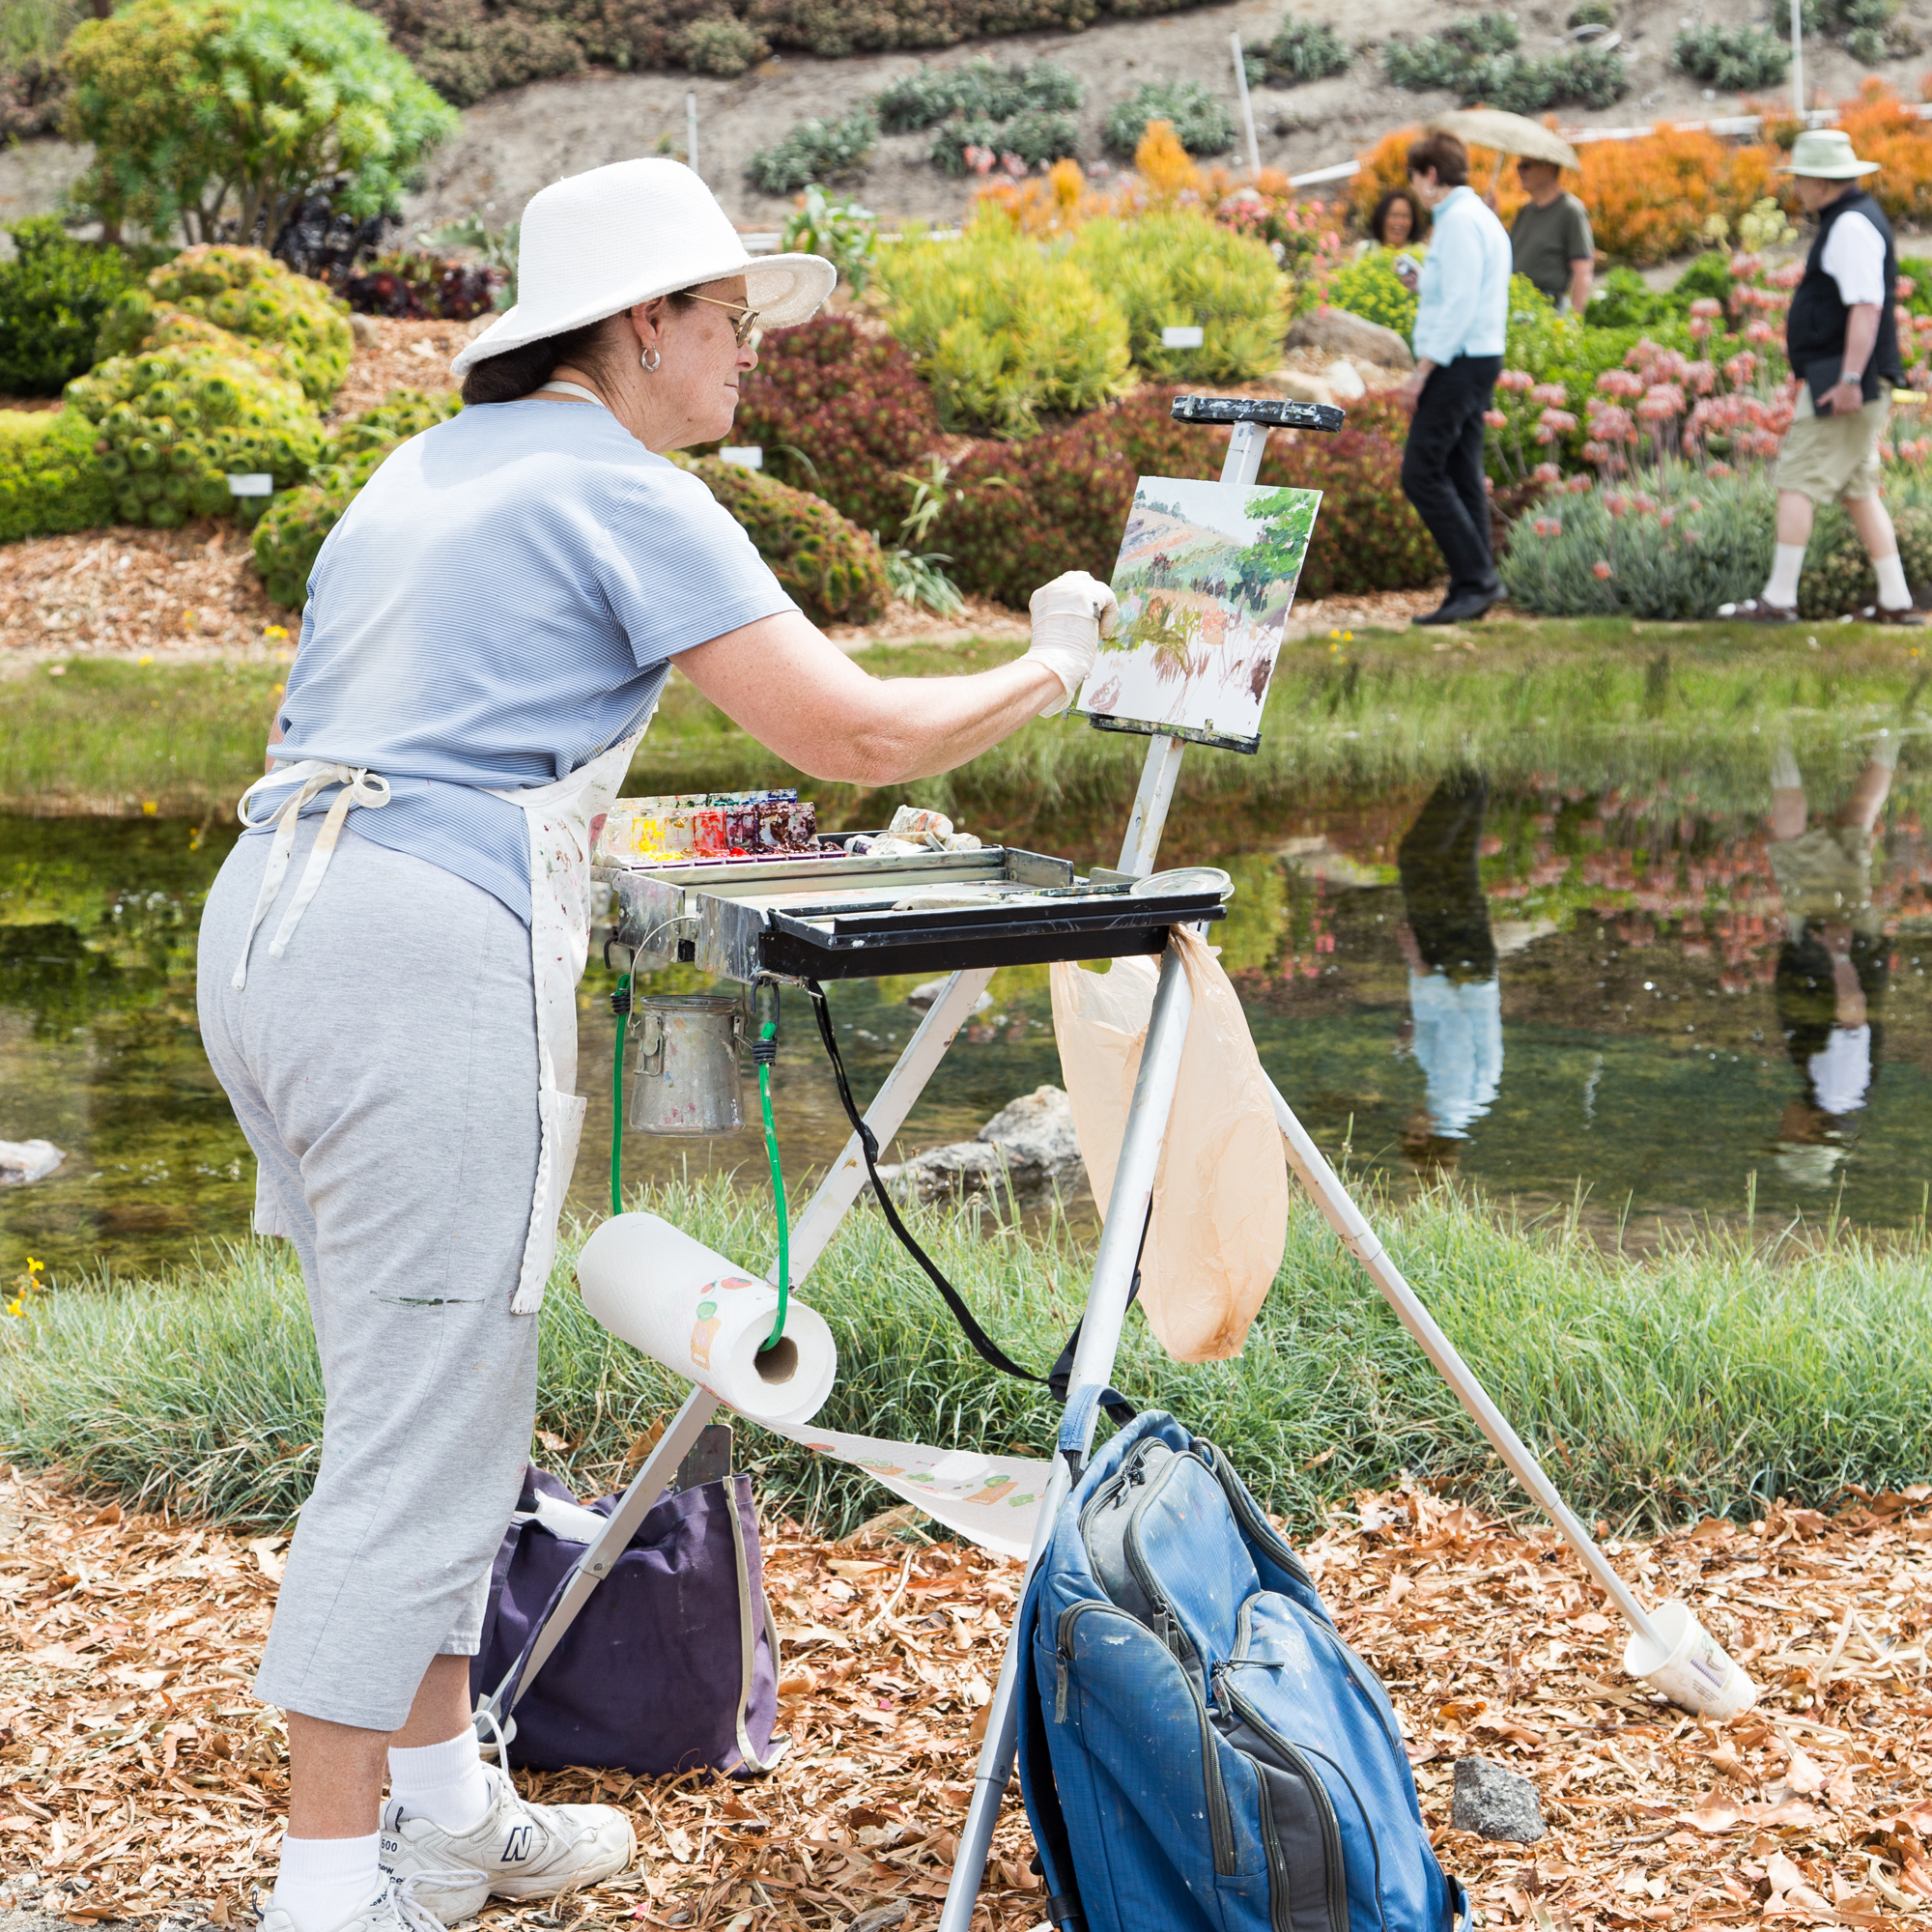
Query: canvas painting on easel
{"points": [[1205, 576]]}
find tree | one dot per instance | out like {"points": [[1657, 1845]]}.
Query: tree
{"points": [[222, 116], [1288, 521]]}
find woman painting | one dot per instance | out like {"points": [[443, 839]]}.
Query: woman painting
{"points": [[487, 633]]}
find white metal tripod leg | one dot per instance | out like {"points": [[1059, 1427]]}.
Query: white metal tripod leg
{"points": [[1339, 1210], [891, 1105], [1093, 1365]]}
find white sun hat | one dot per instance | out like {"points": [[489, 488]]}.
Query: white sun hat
{"points": [[1826, 154], [597, 244]]}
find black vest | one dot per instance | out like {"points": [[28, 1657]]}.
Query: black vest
{"points": [[1815, 327]]}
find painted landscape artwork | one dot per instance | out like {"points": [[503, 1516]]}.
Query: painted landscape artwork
{"points": [[1205, 576]]}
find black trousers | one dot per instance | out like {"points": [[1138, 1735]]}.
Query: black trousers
{"points": [[1442, 467]]}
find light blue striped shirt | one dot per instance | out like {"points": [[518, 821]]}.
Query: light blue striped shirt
{"points": [[498, 605], [1462, 293]]}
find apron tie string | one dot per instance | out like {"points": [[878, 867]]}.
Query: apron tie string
{"points": [[359, 786]]}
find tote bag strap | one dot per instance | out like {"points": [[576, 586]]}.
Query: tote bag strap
{"points": [[747, 1640]]}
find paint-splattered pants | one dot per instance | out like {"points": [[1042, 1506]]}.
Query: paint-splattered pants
{"points": [[385, 1072]]}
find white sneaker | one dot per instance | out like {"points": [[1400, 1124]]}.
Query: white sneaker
{"points": [[519, 1851], [396, 1907]]}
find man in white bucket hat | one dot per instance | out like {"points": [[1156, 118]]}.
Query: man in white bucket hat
{"points": [[1842, 337], [487, 633]]}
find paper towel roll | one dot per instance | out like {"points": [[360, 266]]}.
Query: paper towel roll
{"points": [[705, 1318]]}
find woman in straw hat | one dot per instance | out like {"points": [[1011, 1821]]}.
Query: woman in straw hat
{"points": [[1842, 337], [488, 631]]}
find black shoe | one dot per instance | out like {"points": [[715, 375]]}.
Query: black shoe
{"points": [[1464, 606]]}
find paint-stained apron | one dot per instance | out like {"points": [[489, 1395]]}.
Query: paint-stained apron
{"points": [[560, 819]]}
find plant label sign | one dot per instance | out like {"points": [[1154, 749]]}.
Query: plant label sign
{"points": [[1205, 578]]}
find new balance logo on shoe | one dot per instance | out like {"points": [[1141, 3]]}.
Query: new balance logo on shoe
{"points": [[518, 1846]]}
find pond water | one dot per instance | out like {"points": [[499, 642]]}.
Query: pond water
{"points": [[1684, 1000]]}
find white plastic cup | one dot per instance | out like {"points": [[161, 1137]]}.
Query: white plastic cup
{"points": [[1689, 1665]]}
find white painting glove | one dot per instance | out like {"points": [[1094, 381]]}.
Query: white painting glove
{"points": [[1070, 616]]}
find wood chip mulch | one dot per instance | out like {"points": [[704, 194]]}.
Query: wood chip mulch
{"points": [[177, 596], [138, 1778]]}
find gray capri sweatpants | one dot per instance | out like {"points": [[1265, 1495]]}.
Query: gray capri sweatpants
{"points": [[385, 1071]]}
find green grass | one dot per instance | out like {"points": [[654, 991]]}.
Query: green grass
{"points": [[1705, 1379], [1601, 701]]}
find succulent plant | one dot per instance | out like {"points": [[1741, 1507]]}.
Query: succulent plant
{"points": [[173, 423], [249, 294]]}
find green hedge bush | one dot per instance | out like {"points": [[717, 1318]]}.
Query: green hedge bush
{"points": [[815, 151], [248, 293], [1479, 58], [1201, 122], [1369, 286], [52, 296], [291, 530], [176, 421], [50, 477], [1181, 268], [1302, 50], [1003, 330], [1738, 60]]}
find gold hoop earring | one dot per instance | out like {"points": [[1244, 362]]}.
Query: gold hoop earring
{"points": [[650, 359]]}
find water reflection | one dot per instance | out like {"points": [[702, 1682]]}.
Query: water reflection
{"points": [[1455, 1028], [1834, 962]]}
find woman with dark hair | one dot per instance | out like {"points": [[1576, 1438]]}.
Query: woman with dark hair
{"points": [[1397, 220], [488, 631]]}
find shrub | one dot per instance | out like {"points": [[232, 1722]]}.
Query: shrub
{"points": [[211, 115], [1035, 137], [1734, 59], [815, 150], [1838, 579], [840, 412], [291, 533], [1199, 121], [836, 228], [722, 46], [1018, 515], [1002, 330], [33, 89], [52, 296], [1369, 286], [424, 287], [176, 421], [1181, 268], [829, 565], [930, 95], [470, 48], [1884, 129], [50, 478], [245, 291], [1676, 547], [1302, 51], [1861, 24], [1653, 198], [1479, 58], [832, 29]]}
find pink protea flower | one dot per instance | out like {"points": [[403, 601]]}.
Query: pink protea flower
{"points": [[1580, 486], [1699, 327], [1549, 392], [1693, 505], [1702, 376], [1760, 331], [1495, 418], [1741, 368], [1666, 516], [1662, 402], [1546, 472], [1516, 382], [1601, 568], [1616, 503], [1706, 305], [1548, 526], [1620, 382], [1905, 288], [1553, 423], [1718, 470]]}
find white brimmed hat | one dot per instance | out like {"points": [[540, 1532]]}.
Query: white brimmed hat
{"points": [[1826, 154], [597, 244]]}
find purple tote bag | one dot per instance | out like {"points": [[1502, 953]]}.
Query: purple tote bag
{"points": [[673, 1660]]}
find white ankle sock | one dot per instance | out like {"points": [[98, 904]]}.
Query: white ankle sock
{"points": [[1784, 772], [1787, 563], [1893, 592], [324, 1882], [444, 1784]]}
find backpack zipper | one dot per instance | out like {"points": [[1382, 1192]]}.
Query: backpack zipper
{"points": [[1331, 1832], [1220, 1816], [1248, 1514]]}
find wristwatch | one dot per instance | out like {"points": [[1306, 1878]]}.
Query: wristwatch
{"points": [[1855, 378]]}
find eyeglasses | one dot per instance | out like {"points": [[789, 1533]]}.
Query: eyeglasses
{"points": [[746, 318]]}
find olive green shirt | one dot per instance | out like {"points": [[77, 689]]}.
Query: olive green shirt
{"points": [[1545, 241]]}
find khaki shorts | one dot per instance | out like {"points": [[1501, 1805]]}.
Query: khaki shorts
{"points": [[1829, 457], [1826, 873]]}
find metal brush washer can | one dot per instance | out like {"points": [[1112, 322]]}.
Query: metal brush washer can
{"points": [[688, 1080]]}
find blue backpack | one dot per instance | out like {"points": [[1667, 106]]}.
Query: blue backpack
{"points": [[1199, 1751]]}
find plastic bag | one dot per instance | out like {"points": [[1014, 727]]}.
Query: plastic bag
{"points": [[1221, 1197]]}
